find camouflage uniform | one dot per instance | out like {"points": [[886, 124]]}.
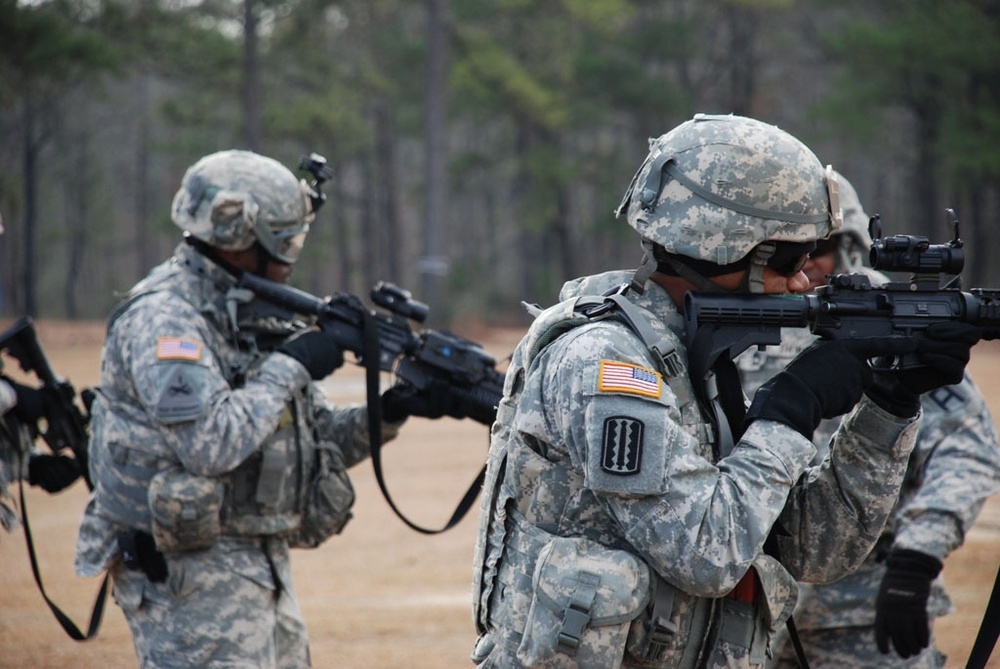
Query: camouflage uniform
{"points": [[954, 468], [228, 456], [15, 447], [695, 522]]}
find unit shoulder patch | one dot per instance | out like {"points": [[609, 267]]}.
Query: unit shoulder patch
{"points": [[621, 448], [624, 377]]}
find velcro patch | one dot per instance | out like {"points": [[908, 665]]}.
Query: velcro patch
{"points": [[176, 348], [621, 451], [622, 377]]}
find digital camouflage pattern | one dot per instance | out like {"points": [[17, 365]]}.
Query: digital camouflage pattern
{"points": [[15, 448], [580, 450], [182, 391], [231, 199], [954, 468], [715, 187]]}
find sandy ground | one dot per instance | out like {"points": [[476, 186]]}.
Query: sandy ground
{"points": [[380, 594]]}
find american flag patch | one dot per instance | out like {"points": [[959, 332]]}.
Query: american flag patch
{"points": [[621, 377], [175, 348]]}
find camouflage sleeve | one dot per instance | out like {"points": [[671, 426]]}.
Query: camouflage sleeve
{"points": [[698, 524], [165, 348], [956, 467], [8, 398], [346, 428], [838, 510]]}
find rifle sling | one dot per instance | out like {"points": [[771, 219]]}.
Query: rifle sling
{"points": [[71, 629], [989, 630], [370, 359]]}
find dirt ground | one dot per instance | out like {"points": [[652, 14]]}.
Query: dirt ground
{"points": [[380, 594]]}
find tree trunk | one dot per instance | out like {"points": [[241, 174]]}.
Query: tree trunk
{"points": [[251, 78], [26, 301], [434, 263]]}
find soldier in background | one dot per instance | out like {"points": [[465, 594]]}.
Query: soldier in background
{"points": [[21, 407], [213, 450], [621, 525], [882, 614]]}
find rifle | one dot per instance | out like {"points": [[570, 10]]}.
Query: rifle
{"points": [[382, 340], [849, 306], [65, 423], [425, 359]]}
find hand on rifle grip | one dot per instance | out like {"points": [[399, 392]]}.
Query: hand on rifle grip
{"points": [[436, 401], [316, 350]]}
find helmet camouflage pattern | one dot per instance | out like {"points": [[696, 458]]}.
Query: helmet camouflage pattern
{"points": [[855, 218], [231, 199], [715, 187]]}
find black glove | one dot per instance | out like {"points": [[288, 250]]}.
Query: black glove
{"points": [[317, 351], [943, 353], [30, 407], [824, 381], [901, 606], [437, 400], [52, 472]]}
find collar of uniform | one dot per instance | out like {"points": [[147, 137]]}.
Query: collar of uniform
{"points": [[204, 267]]}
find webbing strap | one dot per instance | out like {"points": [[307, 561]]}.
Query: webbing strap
{"points": [[71, 629], [370, 359]]}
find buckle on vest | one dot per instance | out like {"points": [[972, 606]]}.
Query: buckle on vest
{"points": [[576, 615]]}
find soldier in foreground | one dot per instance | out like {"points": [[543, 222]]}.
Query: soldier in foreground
{"points": [[624, 520], [882, 614], [213, 450]]}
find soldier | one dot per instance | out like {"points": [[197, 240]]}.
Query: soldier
{"points": [[623, 520], [887, 606], [21, 407], [213, 451]]}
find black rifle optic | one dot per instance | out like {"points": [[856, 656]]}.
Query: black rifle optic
{"points": [[849, 307], [65, 423]]}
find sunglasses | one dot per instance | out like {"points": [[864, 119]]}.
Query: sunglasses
{"points": [[790, 257]]}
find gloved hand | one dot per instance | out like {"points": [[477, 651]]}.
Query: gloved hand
{"points": [[404, 399], [824, 381], [316, 350], [30, 407], [901, 605], [943, 352], [52, 472]]}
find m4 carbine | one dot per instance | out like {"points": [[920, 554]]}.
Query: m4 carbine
{"points": [[849, 306], [65, 423], [427, 359]]}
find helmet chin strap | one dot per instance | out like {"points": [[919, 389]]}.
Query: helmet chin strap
{"points": [[645, 269], [753, 280]]}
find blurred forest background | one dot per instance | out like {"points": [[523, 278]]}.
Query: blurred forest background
{"points": [[478, 146]]}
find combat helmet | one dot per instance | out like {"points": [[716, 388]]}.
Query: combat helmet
{"points": [[231, 199], [853, 238], [725, 191]]}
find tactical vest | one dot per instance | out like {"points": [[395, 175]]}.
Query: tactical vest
{"points": [[503, 594], [146, 488]]}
